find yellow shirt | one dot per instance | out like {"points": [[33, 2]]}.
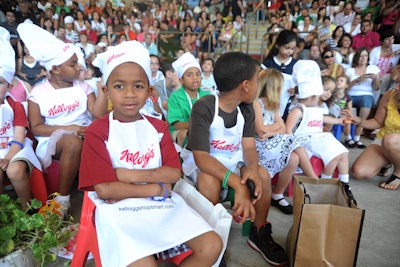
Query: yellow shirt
{"points": [[392, 120]]}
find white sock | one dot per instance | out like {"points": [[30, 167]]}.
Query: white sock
{"points": [[348, 137], [282, 202], [344, 178], [356, 138], [325, 176], [60, 199]]}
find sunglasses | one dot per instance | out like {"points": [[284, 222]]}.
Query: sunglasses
{"points": [[328, 56]]}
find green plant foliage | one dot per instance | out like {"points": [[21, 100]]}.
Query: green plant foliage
{"points": [[40, 232]]}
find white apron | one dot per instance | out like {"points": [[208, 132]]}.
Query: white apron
{"points": [[64, 106], [7, 134], [225, 144], [134, 228], [322, 144]]}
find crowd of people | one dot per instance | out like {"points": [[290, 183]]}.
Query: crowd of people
{"points": [[87, 73]]}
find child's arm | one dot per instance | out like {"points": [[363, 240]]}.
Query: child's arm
{"points": [[265, 131], [331, 120], [294, 116], [211, 166], [19, 136], [97, 106]]}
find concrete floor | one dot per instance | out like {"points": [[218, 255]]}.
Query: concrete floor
{"points": [[380, 241]]}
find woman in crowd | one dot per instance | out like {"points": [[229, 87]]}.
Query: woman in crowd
{"points": [[79, 22], [364, 80], [344, 53], [354, 27], [333, 69], [384, 152]]}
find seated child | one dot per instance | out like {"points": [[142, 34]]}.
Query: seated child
{"points": [[60, 108], [221, 150], [17, 158], [130, 161], [307, 118], [208, 81], [278, 152], [345, 102], [181, 101]]}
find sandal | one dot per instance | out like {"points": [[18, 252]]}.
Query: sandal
{"points": [[385, 170], [388, 183]]}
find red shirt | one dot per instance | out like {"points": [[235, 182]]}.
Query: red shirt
{"points": [[96, 166], [92, 36], [368, 40]]}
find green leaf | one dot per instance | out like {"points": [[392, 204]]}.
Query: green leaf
{"points": [[7, 233]]}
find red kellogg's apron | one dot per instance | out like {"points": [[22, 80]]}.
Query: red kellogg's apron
{"points": [[134, 228]]}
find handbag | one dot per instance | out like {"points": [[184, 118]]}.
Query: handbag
{"points": [[216, 216], [327, 224]]}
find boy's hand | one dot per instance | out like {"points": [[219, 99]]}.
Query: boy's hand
{"points": [[247, 173], [243, 207]]}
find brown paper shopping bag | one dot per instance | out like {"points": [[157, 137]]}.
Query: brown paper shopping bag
{"points": [[326, 227]]}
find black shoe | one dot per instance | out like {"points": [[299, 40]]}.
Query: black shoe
{"points": [[350, 143], [262, 242], [285, 209], [360, 145]]}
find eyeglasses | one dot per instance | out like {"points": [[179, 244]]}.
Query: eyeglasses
{"points": [[328, 56]]}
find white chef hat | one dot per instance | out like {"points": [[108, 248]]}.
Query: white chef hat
{"points": [[130, 51], [307, 76], [43, 46], [7, 55], [185, 62], [68, 19], [80, 55]]}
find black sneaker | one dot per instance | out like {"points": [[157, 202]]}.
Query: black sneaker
{"points": [[285, 209], [262, 242]]}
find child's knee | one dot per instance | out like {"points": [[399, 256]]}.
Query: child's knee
{"points": [[16, 171], [72, 144]]}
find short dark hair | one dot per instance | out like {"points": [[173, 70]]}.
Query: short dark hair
{"points": [[232, 68], [166, 66], [211, 60]]}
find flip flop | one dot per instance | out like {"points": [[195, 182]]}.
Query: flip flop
{"points": [[389, 181], [384, 170]]}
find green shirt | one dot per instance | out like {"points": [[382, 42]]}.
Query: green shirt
{"points": [[179, 108]]}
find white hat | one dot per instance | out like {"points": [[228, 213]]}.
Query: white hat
{"points": [[7, 55], [101, 44], [80, 55], [68, 19], [130, 51], [185, 62], [43, 46], [307, 76]]}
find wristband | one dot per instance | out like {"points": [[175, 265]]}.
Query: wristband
{"points": [[226, 177], [13, 142], [163, 186]]}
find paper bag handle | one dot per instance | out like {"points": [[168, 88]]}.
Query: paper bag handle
{"points": [[306, 196]]}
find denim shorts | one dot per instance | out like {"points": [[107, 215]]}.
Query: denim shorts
{"points": [[363, 101]]}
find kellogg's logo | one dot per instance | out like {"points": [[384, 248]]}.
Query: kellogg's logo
{"points": [[114, 56], [5, 127], [56, 109], [222, 145], [136, 158], [315, 123]]}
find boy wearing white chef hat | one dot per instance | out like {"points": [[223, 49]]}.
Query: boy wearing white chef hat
{"points": [[307, 118], [17, 158], [181, 101], [129, 160], [60, 108]]}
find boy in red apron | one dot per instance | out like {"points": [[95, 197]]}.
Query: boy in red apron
{"points": [[221, 150], [129, 160], [17, 158]]}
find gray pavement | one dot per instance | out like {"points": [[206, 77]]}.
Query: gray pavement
{"points": [[380, 240]]}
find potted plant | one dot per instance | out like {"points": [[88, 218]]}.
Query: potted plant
{"points": [[38, 233]]}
